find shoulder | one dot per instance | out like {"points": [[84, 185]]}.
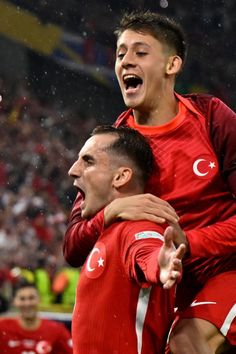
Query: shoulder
{"points": [[200, 101], [140, 226], [208, 104], [135, 230], [54, 325], [7, 322], [122, 118]]}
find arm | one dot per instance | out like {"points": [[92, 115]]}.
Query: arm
{"points": [[170, 260], [81, 235], [153, 258], [218, 239], [221, 126], [140, 207], [222, 130], [208, 241]]}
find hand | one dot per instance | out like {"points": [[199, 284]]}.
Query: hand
{"points": [[170, 260], [179, 236], [140, 207]]}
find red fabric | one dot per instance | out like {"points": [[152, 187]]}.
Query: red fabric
{"points": [[215, 123], [115, 284], [51, 337], [210, 304], [81, 235], [3, 174], [206, 200], [43, 231]]}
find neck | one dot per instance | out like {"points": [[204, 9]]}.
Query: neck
{"points": [[129, 189], [162, 112], [30, 323]]}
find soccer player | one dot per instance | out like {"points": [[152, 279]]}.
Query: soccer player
{"points": [[193, 138], [121, 306], [28, 333]]}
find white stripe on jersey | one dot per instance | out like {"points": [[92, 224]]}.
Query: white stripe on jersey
{"points": [[229, 319], [142, 306]]}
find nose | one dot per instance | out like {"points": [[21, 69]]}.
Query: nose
{"points": [[74, 171], [128, 60]]}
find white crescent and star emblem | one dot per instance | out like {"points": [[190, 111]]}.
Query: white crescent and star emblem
{"points": [[96, 261], [196, 170], [89, 269], [204, 167]]}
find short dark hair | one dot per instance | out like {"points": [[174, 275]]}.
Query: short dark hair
{"points": [[132, 145], [22, 284], [163, 28]]}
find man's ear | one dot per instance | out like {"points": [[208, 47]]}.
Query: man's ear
{"points": [[174, 65], [122, 176]]}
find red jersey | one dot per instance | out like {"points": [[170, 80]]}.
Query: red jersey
{"points": [[51, 337], [187, 176], [120, 305], [196, 158]]}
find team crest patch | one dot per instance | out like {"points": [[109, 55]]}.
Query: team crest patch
{"points": [[148, 234], [205, 167], [96, 261]]}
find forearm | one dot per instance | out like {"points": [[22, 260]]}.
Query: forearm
{"points": [[219, 239], [140, 207], [81, 235], [142, 262], [215, 240], [222, 125]]}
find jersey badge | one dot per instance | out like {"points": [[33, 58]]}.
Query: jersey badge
{"points": [[205, 167], [148, 234], [96, 261]]}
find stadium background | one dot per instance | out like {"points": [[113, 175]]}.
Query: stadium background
{"points": [[56, 83]]}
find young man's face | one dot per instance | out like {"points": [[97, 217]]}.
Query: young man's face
{"points": [[26, 301], [140, 69], [93, 174]]}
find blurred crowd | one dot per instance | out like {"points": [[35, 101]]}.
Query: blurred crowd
{"points": [[37, 147], [210, 26]]}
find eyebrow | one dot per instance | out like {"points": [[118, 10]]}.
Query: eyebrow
{"points": [[135, 44]]}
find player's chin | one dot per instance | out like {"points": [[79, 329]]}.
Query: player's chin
{"points": [[132, 103]]}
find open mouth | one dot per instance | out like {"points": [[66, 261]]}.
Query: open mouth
{"points": [[81, 192], [132, 82]]}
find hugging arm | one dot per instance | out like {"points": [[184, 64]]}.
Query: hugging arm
{"points": [[81, 235]]}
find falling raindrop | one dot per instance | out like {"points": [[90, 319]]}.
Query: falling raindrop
{"points": [[164, 3]]}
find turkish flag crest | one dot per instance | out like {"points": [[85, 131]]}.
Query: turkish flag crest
{"points": [[205, 166], [96, 261]]}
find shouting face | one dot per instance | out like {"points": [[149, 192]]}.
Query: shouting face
{"points": [[93, 174], [141, 62]]}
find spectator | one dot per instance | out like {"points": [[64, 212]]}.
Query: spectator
{"points": [[64, 286], [28, 333]]}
